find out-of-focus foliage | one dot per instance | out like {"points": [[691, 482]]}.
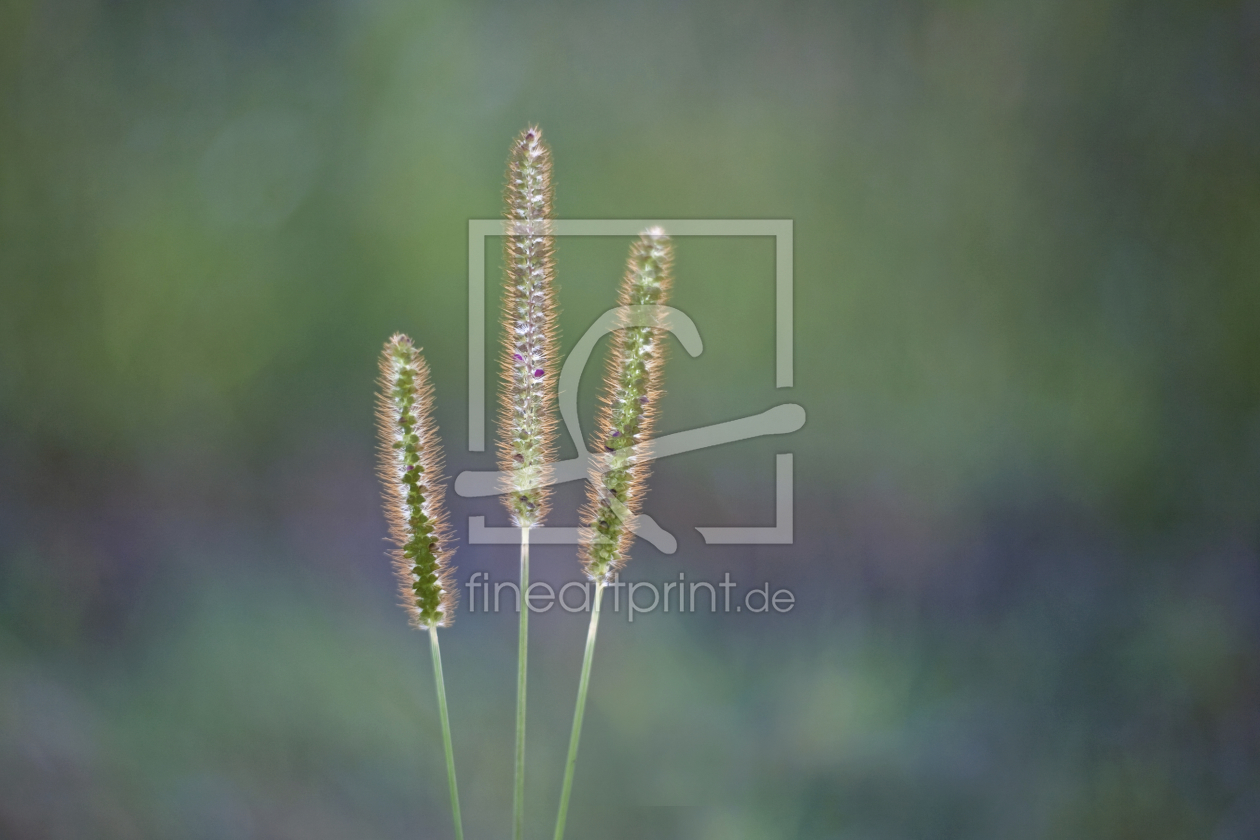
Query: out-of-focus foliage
{"points": [[1027, 269]]}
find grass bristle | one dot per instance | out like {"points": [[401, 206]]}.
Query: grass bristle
{"points": [[411, 472], [627, 414], [527, 417]]}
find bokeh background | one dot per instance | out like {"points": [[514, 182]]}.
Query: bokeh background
{"points": [[1027, 238]]}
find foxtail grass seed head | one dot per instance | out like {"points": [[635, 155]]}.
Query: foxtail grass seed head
{"points": [[627, 413], [527, 419], [411, 470]]}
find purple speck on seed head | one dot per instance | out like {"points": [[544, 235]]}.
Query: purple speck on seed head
{"points": [[538, 374], [643, 400], [518, 357], [616, 433]]}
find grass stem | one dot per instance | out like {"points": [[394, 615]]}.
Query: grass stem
{"points": [[446, 730], [583, 683], [522, 660]]}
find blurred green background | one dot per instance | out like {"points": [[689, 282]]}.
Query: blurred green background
{"points": [[1027, 238]]}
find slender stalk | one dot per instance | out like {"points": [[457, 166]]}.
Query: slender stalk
{"points": [[522, 659], [446, 730], [583, 683], [411, 469], [527, 415]]}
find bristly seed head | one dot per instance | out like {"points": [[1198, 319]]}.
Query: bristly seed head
{"points": [[627, 411], [411, 471], [527, 418]]}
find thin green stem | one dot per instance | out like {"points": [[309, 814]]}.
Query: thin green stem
{"points": [[446, 730], [578, 712], [522, 659]]}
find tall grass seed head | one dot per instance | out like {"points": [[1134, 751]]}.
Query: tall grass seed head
{"points": [[411, 471], [527, 424], [627, 414]]}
